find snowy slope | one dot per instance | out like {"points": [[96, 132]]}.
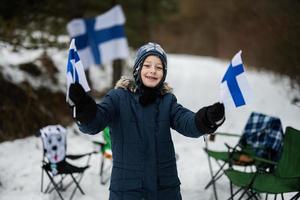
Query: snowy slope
{"points": [[196, 83]]}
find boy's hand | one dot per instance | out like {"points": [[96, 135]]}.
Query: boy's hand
{"points": [[216, 114], [209, 118], [85, 106]]}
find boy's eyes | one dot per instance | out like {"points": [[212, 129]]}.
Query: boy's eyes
{"points": [[158, 68]]}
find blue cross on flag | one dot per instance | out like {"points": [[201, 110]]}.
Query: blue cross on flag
{"points": [[101, 39], [235, 90], [75, 71]]}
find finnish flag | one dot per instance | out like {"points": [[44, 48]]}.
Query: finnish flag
{"points": [[235, 90], [75, 71], [101, 39]]}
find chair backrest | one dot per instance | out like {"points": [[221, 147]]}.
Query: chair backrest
{"points": [[264, 135], [54, 142], [289, 163]]}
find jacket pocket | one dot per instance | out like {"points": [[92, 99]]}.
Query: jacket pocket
{"points": [[168, 182], [125, 185], [126, 172]]}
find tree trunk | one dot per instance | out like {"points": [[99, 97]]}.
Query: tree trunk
{"points": [[117, 71]]}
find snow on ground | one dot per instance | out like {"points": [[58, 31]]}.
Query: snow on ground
{"points": [[195, 81]]}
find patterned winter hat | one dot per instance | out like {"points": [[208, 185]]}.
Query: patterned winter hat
{"points": [[143, 52]]}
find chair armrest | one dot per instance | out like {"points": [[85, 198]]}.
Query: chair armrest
{"points": [[227, 134], [228, 147], [265, 161], [99, 143], [235, 148], [77, 156], [212, 136]]}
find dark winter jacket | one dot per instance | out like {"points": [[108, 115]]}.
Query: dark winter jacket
{"points": [[144, 164]]}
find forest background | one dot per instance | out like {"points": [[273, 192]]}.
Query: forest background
{"points": [[267, 32]]}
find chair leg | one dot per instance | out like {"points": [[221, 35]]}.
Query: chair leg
{"points": [[77, 186], [105, 170], [235, 193], [282, 197], [56, 188], [231, 189], [245, 191], [252, 194], [59, 185], [47, 190], [211, 172], [42, 180], [296, 196], [77, 183], [257, 198], [67, 185], [100, 164], [213, 178], [54, 185], [101, 170]]}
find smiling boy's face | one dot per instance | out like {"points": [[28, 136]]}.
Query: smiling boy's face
{"points": [[152, 71]]}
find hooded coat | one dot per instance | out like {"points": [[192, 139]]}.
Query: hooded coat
{"points": [[144, 163]]}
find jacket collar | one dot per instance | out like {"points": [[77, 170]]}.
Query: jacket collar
{"points": [[129, 84]]}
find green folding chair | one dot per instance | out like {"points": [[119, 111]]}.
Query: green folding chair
{"points": [[285, 178], [261, 141], [238, 155]]}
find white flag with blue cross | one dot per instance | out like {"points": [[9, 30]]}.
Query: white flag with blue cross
{"points": [[235, 90], [102, 39], [75, 71]]}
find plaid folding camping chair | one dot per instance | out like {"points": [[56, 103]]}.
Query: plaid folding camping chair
{"points": [[285, 178], [261, 140], [60, 172], [265, 135]]}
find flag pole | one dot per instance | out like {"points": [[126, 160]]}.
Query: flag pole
{"points": [[74, 107]]}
